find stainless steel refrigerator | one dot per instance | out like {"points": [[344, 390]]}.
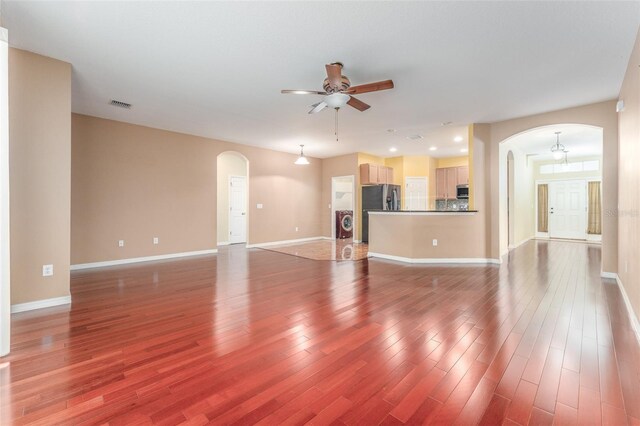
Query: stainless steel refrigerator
{"points": [[378, 197]]}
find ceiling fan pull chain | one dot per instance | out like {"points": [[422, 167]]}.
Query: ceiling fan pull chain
{"points": [[337, 124]]}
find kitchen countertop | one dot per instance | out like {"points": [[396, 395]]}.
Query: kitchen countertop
{"points": [[425, 212]]}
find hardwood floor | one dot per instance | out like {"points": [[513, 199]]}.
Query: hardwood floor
{"points": [[325, 250], [259, 337]]}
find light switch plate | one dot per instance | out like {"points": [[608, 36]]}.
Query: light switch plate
{"points": [[120, 243], [258, 206], [435, 242], [156, 240]]}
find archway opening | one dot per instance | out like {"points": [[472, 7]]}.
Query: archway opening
{"points": [[232, 215], [550, 193]]}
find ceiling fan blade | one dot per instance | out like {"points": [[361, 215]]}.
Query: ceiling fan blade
{"points": [[370, 87], [357, 104], [318, 107], [334, 73], [303, 92]]}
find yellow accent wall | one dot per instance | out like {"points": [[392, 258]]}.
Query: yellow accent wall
{"points": [[453, 161]]}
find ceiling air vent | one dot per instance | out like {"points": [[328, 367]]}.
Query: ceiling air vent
{"points": [[120, 104], [415, 137]]}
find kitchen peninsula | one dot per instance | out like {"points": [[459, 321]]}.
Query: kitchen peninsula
{"points": [[427, 236]]}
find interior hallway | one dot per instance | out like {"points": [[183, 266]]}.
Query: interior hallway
{"points": [[252, 336]]}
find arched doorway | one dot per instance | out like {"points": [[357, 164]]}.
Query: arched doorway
{"points": [[232, 218], [510, 199], [529, 169]]}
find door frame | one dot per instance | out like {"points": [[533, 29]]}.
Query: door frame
{"points": [[545, 235], [246, 206], [5, 275], [333, 203], [426, 192]]}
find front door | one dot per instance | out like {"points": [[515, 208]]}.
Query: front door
{"points": [[237, 209], [568, 209]]}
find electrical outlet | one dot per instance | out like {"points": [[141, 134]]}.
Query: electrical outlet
{"points": [[258, 206], [120, 243], [156, 240], [435, 242], [329, 205], [296, 229], [47, 270]]}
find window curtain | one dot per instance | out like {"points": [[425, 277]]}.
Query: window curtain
{"points": [[543, 208], [594, 219]]}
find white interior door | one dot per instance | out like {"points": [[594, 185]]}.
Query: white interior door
{"points": [[415, 193], [568, 209], [237, 209]]}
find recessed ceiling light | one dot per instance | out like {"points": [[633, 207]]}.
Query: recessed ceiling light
{"points": [[433, 148], [457, 139], [464, 150], [391, 130], [415, 137], [393, 149]]}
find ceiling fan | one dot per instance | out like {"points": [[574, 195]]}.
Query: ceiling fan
{"points": [[338, 90]]}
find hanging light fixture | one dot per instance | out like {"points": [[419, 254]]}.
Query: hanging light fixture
{"points": [[302, 160], [558, 150]]}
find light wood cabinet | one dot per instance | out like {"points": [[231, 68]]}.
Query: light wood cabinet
{"points": [[375, 174], [448, 178], [463, 175], [441, 184]]}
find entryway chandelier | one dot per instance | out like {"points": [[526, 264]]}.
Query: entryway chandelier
{"points": [[558, 150]]}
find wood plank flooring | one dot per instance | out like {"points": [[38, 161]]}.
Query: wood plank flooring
{"points": [[259, 337]]}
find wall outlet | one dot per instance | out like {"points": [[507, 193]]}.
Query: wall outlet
{"points": [[435, 243], [258, 206], [296, 229], [120, 243], [329, 205], [156, 240], [47, 270]]}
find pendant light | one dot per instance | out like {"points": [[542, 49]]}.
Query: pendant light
{"points": [[302, 160], [558, 150]]}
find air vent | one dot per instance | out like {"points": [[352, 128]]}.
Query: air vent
{"points": [[415, 137], [120, 104]]}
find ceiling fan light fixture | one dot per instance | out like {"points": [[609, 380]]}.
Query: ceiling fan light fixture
{"points": [[336, 100], [302, 160]]}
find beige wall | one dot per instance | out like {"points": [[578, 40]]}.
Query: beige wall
{"points": [[40, 165], [228, 164], [602, 115], [629, 182], [411, 235], [134, 183], [344, 165]]}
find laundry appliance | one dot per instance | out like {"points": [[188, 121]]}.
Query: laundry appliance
{"points": [[344, 224]]}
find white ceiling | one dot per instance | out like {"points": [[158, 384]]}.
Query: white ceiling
{"points": [[216, 68], [579, 140]]}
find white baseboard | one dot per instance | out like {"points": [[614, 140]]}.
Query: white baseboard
{"points": [[611, 275], [39, 304], [275, 243], [435, 260], [633, 318], [224, 243], [140, 259]]}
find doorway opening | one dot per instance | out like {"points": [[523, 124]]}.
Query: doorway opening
{"points": [[416, 193], [549, 194], [232, 216], [510, 199], [342, 200]]}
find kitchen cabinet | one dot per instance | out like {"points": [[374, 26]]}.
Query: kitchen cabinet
{"points": [[441, 184], [375, 174], [463, 175], [448, 178], [452, 182]]}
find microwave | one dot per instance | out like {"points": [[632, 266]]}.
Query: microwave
{"points": [[462, 192]]}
